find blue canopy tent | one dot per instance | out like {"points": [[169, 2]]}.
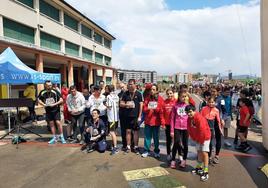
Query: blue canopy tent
{"points": [[14, 71]]}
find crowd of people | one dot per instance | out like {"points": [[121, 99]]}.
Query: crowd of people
{"points": [[97, 112]]}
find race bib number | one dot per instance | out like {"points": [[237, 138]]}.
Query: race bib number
{"points": [[181, 111], [222, 102], [131, 104], [152, 105], [50, 101]]}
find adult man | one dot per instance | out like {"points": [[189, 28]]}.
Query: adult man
{"points": [[76, 107], [96, 101], [87, 110], [95, 133], [101, 85], [123, 89], [51, 100], [132, 104], [30, 93]]}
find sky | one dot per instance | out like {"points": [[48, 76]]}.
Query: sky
{"points": [[171, 36]]}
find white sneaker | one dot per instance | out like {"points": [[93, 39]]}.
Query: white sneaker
{"points": [[145, 154], [226, 143]]}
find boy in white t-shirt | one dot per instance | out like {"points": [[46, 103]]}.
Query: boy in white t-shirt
{"points": [[112, 103]]}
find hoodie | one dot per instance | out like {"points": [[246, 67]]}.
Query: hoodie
{"points": [[178, 117], [168, 105]]}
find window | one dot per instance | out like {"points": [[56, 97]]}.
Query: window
{"points": [[107, 60], [98, 57], [49, 41], [29, 3], [87, 54], [18, 31], [86, 31], [108, 81], [98, 38], [107, 43], [71, 48], [49, 10], [70, 22]]}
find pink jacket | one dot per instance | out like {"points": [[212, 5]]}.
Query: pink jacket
{"points": [[178, 117]]}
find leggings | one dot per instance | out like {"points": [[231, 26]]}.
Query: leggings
{"points": [[217, 137], [180, 143], [168, 139]]}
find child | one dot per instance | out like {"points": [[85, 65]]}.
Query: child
{"points": [[206, 95], [112, 113], [243, 125], [198, 130], [212, 114], [178, 130], [168, 105]]}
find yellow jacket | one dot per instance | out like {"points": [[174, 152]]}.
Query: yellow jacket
{"points": [[29, 92]]}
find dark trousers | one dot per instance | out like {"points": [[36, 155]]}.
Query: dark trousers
{"points": [[78, 119], [180, 143], [123, 133], [32, 111], [217, 137], [212, 131], [168, 139]]}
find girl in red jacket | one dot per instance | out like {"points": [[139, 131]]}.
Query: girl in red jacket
{"points": [[199, 131], [153, 109], [168, 105]]}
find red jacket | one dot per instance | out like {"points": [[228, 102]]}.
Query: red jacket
{"points": [[153, 110], [198, 128], [168, 105]]}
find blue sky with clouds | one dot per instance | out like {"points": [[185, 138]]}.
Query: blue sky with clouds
{"points": [[169, 36], [200, 4]]}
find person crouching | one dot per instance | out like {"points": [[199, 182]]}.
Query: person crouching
{"points": [[95, 134]]}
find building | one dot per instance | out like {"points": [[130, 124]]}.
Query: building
{"points": [[139, 76], [264, 67], [182, 78], [164, 78], [52, 36]]}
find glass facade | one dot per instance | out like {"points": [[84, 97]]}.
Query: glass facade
{"points": [[86, 31], [70, 22], [49, 10], [98, 58], [18, 31], [107, 43], [49, 41], [29, 3], [98, 38], [87, 54], [71, 49]]}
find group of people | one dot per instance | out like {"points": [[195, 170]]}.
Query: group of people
{"points": [[98, 111]]}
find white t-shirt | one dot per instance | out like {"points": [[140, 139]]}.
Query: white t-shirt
{"points": [[112, 107], [97, 103]]}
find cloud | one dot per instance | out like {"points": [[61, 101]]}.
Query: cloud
{"points": [[152, 37]]}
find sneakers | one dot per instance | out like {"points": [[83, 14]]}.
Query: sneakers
{"points": [[114, 151], [216, 160], [227, 144], [247, 148], [63, 141], [74, 142], [52, 141], [82, 142], [204, 176], [145, 154], [136, 150], [183, 164], [173, 164], [198, 171], [169, 158], [157, 155]]}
